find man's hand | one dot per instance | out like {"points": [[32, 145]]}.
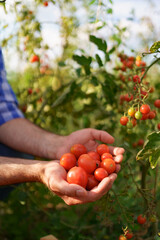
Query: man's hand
{"points": [[89, 137], [54, 177]]}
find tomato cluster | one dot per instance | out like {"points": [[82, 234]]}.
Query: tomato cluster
{"points": [[132, 75], [141, 219], [143, 112], [85, 168]]}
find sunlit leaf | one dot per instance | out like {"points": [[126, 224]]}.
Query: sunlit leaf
{"points": [[154, 48], [151, 149]]}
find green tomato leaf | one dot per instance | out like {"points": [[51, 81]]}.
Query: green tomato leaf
{"points": [[101, 44], [99, 61], [83, 61], [154, 48], [151, 149]]}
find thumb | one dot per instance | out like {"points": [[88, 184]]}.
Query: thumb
{"points": [[70, 190]]}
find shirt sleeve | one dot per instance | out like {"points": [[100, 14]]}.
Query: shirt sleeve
{"points": [[8, 102]]}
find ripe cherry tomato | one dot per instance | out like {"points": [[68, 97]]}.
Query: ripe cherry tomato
{"points": [[94, 155], [141, 219], [77, 175], [78, 149], [129, 235], [145, 108], [92, 182], [34, 58], [124, 120], [136, 78], [102, 148], [151, 115], [144, 116], [158, 126], [122, 237], [45, 4], [134, 122], [138, 115], [30, 91], [157, 103], [106, 155], [140, 142], [87, 163], [68, 160], [100, 173], [131, 112], [109, 165]]}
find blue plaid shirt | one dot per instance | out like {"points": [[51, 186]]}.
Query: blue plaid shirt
{"points": [[8, 102]]}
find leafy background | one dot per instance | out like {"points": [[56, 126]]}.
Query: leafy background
{"points": [[81, 88]]}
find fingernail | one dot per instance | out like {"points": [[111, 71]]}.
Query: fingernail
{"points": [[80, 193]]}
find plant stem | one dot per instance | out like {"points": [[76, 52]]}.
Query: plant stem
{"points": [[149, 68]]}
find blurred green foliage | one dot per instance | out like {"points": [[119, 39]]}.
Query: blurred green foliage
{"points": [[80, 89]]}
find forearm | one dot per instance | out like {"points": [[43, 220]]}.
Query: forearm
{"points": [[24, 136], [15, 170]]}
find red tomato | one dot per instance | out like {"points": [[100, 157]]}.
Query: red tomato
{"points": [[157, 103], [124, 120], [78, 149], [109, 165], [94, 155], [134, 122], [106, 155], [87, 163], [102, 148], [151, 115], [140, 142], [45, 4], [122, 237], [100, 173], [141, 219], [92, 182], [129, 235], [144, 116], [145, 108], [34, 58], [136, 78], [77, 175], [30, 91], [68, 160], [158, 126]]}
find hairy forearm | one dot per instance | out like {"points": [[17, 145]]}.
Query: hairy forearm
{"points": [[24, 136], [15, 170]]}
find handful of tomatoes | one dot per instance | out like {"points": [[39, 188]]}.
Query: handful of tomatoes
{"points": [[87, 169]]}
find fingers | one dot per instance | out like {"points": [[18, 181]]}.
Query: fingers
{"points": [[116, 150], [118, 158], [102, 188], [118, 168], [102, 136]]}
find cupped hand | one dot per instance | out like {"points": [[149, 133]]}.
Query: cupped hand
{"points": [[53, 175], [89, 137]]}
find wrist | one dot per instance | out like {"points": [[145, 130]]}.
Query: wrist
{"points": [[51, 146]]}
